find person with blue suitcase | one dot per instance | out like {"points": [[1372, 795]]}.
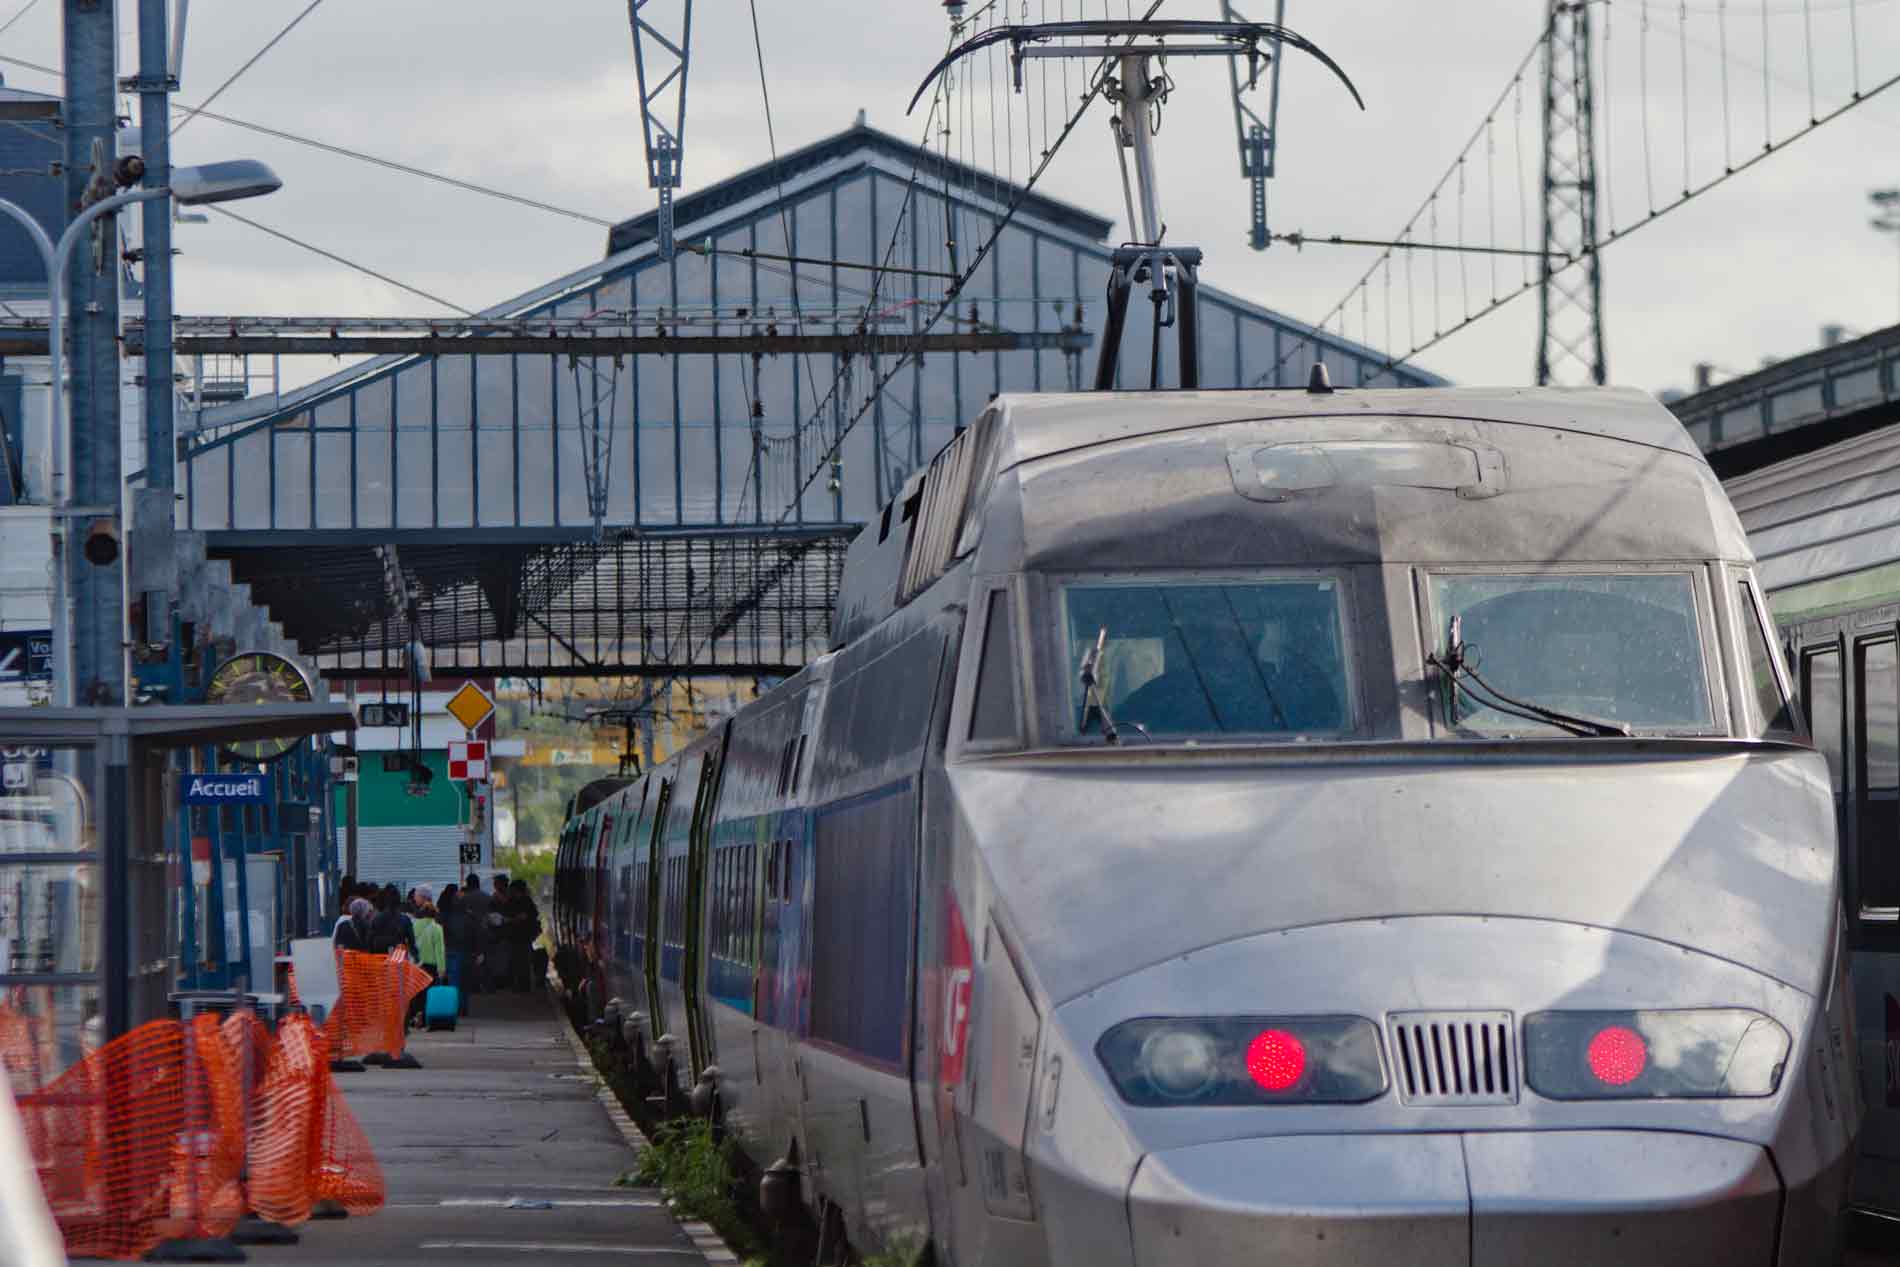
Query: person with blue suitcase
{"points": [[431, 953]]}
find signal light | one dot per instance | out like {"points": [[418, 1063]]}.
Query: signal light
{"points": [[1689, 1053], [1276, 1059], [101, 546], [1617, 1055], [1238, 1061]]}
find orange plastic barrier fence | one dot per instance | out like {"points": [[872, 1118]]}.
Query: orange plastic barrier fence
{"points": [[141, 1141], [176, 1129], [376, 992]]}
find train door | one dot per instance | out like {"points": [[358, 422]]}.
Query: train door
{"points": [[693, 974], [620, 864], [600, 889], [652, 850], [1853, 683]]}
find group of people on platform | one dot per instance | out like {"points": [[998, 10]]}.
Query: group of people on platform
{"points": [[471, 939]]}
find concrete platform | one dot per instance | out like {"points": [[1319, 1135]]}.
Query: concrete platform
{"points": [[497, 1151]]}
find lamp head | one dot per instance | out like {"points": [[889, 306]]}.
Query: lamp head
{"points": [[223, 182]]}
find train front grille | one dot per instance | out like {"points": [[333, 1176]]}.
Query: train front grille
{"points": [[1453, 1057]]}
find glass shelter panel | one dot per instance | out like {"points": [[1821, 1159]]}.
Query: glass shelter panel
{"points": [[51, 908]]}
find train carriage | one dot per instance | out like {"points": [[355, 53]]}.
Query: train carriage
{"points": [[1340, 826], [1824, 523]]}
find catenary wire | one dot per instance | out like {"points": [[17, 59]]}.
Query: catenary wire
{"points": [[344, 151], [334, 257], [19, 13], [253, 60]]}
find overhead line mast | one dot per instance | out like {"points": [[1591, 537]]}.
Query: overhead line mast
{"points": [[661, 59], [1258, 138], [1139, 51]]}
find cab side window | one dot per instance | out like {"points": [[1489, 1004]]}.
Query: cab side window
{"points": [[993, 712], [1774, 714]]}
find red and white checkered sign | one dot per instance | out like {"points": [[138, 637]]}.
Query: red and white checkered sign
{"points": [[469, 761]]}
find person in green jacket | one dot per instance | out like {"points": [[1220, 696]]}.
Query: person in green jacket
{"points": [[432, 951]]}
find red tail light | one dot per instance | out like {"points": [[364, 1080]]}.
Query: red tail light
{"points": [[1617, 1055], [1276, 1059], [1237, 1061], [1686, 1053]]}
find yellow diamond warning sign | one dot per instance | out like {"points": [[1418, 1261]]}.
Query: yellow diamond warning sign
{"points": [[471, 706]]}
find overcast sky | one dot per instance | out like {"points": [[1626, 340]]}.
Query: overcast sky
{"points": [[540, 100]]}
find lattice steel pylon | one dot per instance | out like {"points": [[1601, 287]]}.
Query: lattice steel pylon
{"points": [[661, 58], [1570, 321], [596, 394], [1258, 138]]}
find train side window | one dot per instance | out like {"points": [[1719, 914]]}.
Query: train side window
{"points": [[1877, 727], [1821, 692], [1772, 710], [993, 710]]}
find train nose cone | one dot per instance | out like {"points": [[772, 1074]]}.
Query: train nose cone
{"points": [[1570, 1198], [1499, 1199], [1303, 1201]]}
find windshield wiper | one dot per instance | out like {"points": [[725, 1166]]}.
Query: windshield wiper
{"points": [[1092, 701], [1456, 667]]}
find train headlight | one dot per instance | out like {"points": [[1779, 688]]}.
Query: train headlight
{"points": [[1161, 1061], [1703, 1053], [1179, 1063]]}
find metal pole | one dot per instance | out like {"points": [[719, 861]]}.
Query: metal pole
{"points": [[98, 616], [155, 147], [349, 807]]}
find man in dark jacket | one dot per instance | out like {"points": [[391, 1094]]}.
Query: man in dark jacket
{"points": [[391, 928], [476, 903], [524, 925]]}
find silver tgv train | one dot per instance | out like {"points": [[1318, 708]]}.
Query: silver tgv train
{"points": [[1294, 827]]}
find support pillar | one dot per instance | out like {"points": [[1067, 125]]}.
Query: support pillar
{"points": [[97, 594]]}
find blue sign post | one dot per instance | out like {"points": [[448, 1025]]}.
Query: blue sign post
{"points": [[224, 789]]}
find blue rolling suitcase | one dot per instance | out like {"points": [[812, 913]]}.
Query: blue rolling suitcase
{"points": [[440, 1003]]}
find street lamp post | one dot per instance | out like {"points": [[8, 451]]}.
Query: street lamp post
{"points": [[213, 182], [1886, 212]]}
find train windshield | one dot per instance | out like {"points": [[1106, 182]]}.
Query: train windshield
{"points": [[1624, 648], [1206, 657]]}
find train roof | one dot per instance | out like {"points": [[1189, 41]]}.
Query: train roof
{"points": [[1172, 479], [1042, 424]]}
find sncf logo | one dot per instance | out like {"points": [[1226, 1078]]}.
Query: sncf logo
{"points": [[958, 980], [956, 1018]]}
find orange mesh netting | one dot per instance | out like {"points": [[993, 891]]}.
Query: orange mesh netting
{"points": [[285, 1146], [151, 1138], [376, 990], [138, 1143], [346, 1171]]}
